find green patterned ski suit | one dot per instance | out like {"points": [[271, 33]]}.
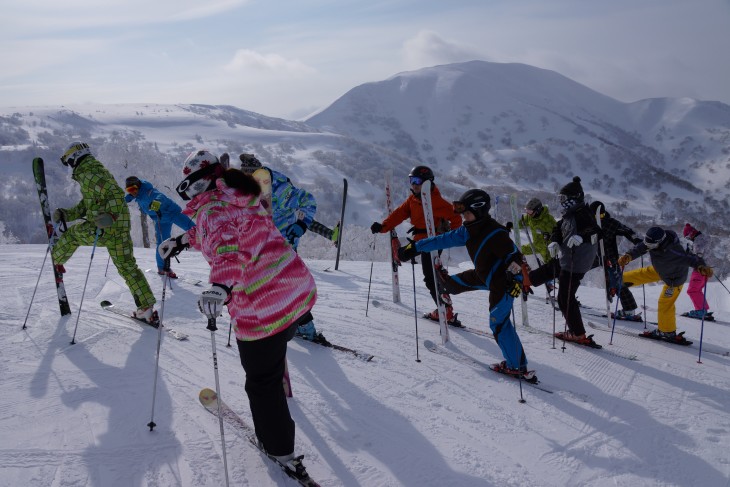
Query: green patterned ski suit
{"points": [[100, 193], [539, 228]]}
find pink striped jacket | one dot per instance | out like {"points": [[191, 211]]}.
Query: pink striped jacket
{"points": [[272, 286]]}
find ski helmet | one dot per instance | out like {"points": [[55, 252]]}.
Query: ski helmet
{"points": [[419, 174], [75, 152], [596, 206], [534, 207], [132, 182], [249, 163], [476, 201], [654, 237], [689, 231], [200, 169]]}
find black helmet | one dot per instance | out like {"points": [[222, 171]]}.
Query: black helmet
{"points": [[132, 182], [475, 200], [423, 173], [534, 206], [654, 237]]}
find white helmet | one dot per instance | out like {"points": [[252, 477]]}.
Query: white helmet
{"points": [[75, 152], [200, 170]]}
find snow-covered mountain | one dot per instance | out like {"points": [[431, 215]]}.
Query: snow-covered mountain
{"points": [[496, 125], [503, 127]]}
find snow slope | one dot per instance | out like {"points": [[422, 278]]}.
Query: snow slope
{"points": [[76, 415]]}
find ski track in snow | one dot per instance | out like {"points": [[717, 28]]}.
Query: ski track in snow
{"points": [[77, 415]]}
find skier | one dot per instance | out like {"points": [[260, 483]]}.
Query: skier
{"points": [[103, 207], [444, 219], [610, 229], [698, 243], [293, 213], [574, 241], [497, 268], [540, 223], [256, 273], [669, 263], [163, 211]]}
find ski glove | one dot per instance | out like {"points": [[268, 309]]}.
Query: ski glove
{"points": [[173, 246], [104, 220], [59, 214], [407, 252], [705, 271], [554, 249], [376, 227], [514, 287], [155, 206], [509, 226], [624, 260], [574, 241], [211, 301], [295, 230]]}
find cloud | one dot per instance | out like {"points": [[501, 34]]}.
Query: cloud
{"points": [[427, 48], [248, 60]]}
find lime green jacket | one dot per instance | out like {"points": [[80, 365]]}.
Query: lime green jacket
{"points": [[539, 227], [100, 193]]}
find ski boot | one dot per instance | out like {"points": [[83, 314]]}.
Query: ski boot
{"points": [[586, 340], [148, 315], [629, 315], [522, 372]]}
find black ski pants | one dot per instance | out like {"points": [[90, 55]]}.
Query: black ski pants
{"points": [[567, 287], [427, 267], [263, 361]]}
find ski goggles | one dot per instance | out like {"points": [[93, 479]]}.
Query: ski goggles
{"points": [[186, 183], [132, 189], [460, 207], [416, 180]]}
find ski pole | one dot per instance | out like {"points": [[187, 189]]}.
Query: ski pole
{"points": [[415, 309], [152, 424], [615, 313], [643, 291], [370, 281], [83, 293], [107, 264], [702, 325], [230, 327], [45, 257], [521, 400], [213, 328]]}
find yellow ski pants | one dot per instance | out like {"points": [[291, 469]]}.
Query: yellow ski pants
{"points": [[666, 310]]}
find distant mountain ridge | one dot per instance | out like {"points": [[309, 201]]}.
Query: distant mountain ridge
{"points": [[503, 127]]}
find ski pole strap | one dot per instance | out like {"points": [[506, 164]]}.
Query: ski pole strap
{"points": [[211, 324]]}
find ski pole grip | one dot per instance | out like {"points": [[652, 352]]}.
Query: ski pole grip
{"points": [[211, 324]]}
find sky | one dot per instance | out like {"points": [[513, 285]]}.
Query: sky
{"points": [[288, 58]]}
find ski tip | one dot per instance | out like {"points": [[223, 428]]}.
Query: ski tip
{"points": [[207, 396]]}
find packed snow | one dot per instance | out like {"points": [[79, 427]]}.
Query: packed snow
{"points": [[77, 415]]}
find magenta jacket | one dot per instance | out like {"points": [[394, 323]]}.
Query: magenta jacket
{"points": [[272, 286]]}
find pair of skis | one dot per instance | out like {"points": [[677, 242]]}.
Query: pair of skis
{"points": [[39, 174]]}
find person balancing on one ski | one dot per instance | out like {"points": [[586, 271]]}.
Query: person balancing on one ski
{"points": [[574, 243], [610, 230], [498, 266], [260, 278], [669, 263], [698, 244], [444, 218], [163, 211], [106, 215]]}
